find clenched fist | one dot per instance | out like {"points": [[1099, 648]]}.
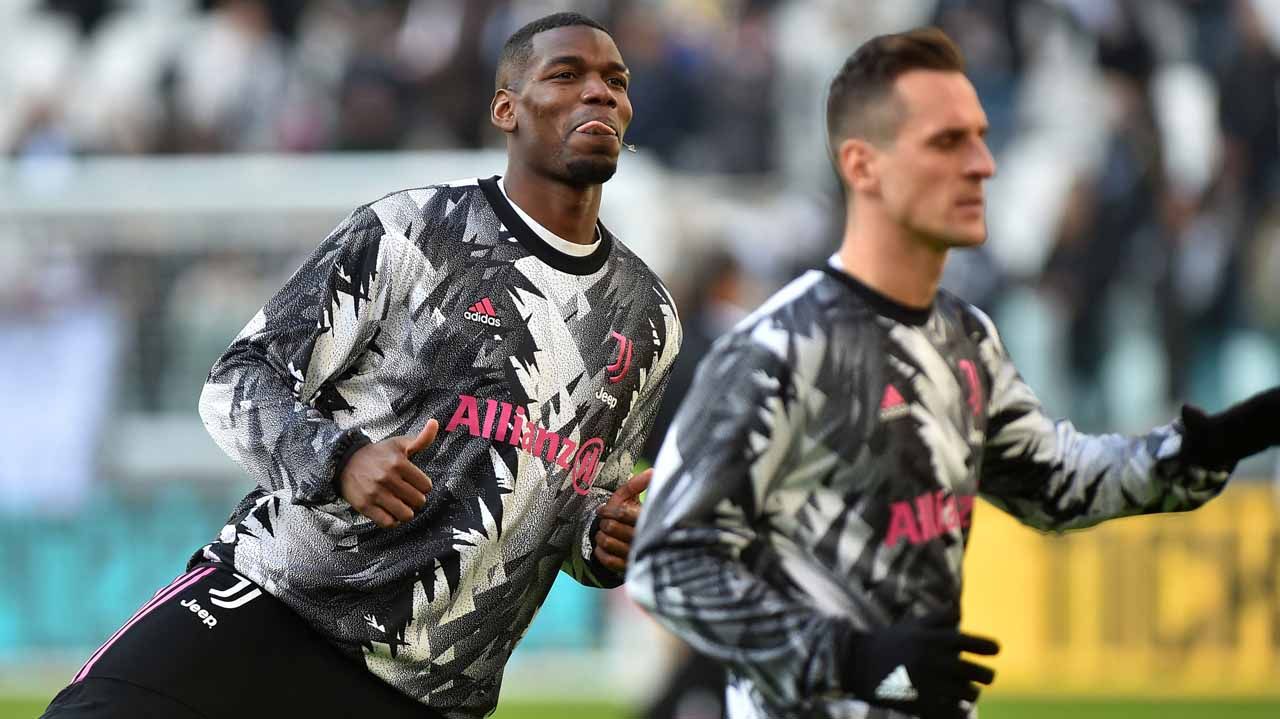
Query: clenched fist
{"points": [[618, 519], [382, 483]]}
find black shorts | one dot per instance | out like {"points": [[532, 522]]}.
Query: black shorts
{"points": [[213, 645]]}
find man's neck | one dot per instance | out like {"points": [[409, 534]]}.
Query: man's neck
{"points": [[885, 258], [570, 212]]}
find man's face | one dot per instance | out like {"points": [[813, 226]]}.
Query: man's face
{"points": [[571, 107], [931, 175]]}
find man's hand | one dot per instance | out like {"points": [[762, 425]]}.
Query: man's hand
{"points": [[383, 484], [916, 667], [1219, 441], [618, 522]]}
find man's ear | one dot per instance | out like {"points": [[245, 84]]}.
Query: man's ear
{"points": [[859, 165], [502, 111]]}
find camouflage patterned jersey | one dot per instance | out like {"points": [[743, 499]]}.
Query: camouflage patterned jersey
{"points": [[822, 475], [544, 370]]}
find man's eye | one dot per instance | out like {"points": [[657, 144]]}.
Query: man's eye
{"points": [[565, 75], [619, 82]]}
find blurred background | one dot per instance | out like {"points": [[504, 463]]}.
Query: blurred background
{"points": [[165, 164]]}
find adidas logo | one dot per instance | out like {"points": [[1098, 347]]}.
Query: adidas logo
{"points": [[892, 405], [483, 313], [897, 687]]}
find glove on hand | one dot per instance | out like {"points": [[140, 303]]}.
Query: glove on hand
{"points": [[1218, 441], [915, 667]]}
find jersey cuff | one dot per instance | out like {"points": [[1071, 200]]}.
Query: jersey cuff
{"points": [[604, 576], [350, 442], [588, 542]]}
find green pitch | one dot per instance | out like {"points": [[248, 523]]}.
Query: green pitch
{"points": [[993, 709]]}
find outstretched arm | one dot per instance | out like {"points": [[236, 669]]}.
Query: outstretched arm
{"points": [[1053, 477]]}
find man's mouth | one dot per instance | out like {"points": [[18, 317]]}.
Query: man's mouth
{"points": [[596, 127]]}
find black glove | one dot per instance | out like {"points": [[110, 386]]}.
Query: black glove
{"points": [[915, 667], [1218, 441]]}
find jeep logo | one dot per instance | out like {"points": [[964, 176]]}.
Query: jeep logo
{"points": [[606, 398], [208, 619]]}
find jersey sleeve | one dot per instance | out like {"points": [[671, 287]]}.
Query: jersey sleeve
{"points": [[581, 563], [699, 563], [270, 401], [1052, 477]]}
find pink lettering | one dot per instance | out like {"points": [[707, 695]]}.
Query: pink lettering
{"points": [[490, 407], [927, 517], [975, 389], [965, 503], [947, 515], [586, 464], [566, 453], [517, 427], [551, 439], [582, 461], [902, 523], [467, 413], [503, 422]]}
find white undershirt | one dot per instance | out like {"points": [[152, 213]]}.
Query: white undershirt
{"points": [[556, 241]]}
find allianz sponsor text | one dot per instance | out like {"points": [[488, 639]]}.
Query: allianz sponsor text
{"points": [[504, 422]]}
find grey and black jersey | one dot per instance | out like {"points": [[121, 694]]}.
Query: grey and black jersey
{"points": [[821, 475], [544, 370]]}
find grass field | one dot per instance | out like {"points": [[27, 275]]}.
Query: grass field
{"points": [[993, 709]]}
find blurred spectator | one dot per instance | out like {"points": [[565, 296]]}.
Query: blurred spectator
{"points": [[229, 77], [1096, 244], [1169, 216], [207, 307], [716, 296], [987, 33], [57, 379], [664, 81], [739, 120], [86, 13], [372, 110], [1249, 113]]}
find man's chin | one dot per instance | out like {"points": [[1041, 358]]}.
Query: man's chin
{"points": [[967, 237], [590, 170], [973, 240]]}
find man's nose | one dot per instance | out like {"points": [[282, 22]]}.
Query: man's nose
{"points": [[982, 164], [595, 91]]}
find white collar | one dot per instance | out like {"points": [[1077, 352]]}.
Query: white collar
{"points": [[557, 242]]}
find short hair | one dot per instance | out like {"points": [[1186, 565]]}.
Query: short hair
{"points": [[519, 47], [860, 101]]}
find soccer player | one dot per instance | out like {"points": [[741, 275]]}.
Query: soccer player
{"points": [[809, 512], [441, 409]]}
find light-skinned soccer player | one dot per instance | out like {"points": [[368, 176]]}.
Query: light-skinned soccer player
{"points": [[810, 507]]}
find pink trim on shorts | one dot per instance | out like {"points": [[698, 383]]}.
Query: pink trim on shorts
{"points": [[159, 598]]}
